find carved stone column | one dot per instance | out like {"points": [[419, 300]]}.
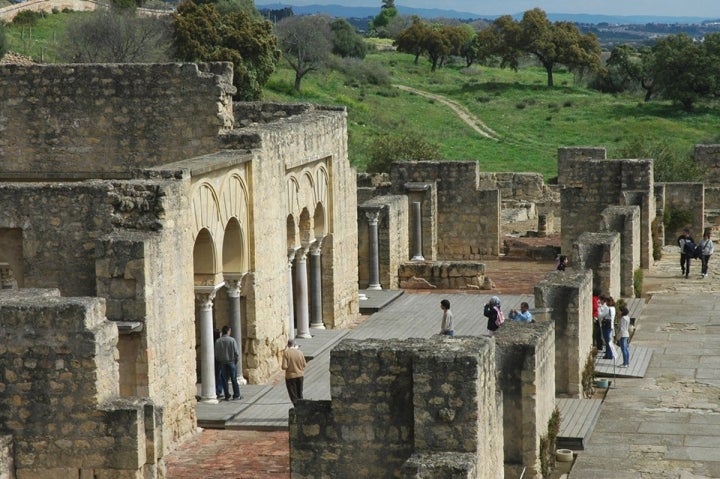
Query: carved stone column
{"points": [[316, 317], [301, 294], [291, 299], [417, 231], [374, 280], [204, 296], [233, 284]]}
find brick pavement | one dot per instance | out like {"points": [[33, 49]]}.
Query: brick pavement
{"points": [[228, 454]]}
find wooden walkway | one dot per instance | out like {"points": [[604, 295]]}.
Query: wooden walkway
{"points": [[411, 315], [639, 362], [577, 421]]}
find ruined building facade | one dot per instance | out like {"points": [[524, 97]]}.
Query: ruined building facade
{"points": [[140, 210]]}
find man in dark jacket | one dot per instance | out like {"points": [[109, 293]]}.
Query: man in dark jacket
{"points": [[227, 354]]}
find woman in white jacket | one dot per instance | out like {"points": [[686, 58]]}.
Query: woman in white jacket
{"points": [[607, 322], [706, 250]]}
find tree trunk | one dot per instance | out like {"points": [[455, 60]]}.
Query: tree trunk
{"points": [[549, 70], [298, 79]]}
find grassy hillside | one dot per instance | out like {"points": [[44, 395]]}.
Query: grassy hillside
{"points": [[531, 120]]}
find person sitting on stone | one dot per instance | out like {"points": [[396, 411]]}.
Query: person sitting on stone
{"points": [[524, 315]]}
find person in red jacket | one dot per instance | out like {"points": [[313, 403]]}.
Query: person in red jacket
{"points": [[597, 331]]}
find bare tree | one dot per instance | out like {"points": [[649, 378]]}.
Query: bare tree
{"points": [[306, 43], [117, 36]]}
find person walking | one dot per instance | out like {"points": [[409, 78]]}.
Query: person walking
{"points": [[624, 335], [687, 249], [707, 248], [293, 363], [493, 312], [446, 325], [227, 354]]}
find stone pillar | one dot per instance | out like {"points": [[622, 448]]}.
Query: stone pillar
{"points": [[316, 317], [233, 285], [204, 296], [291, 299], [417, 231], [301, 296], [374, 280]]}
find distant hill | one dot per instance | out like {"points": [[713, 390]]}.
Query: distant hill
{"points": [[364, 12]]}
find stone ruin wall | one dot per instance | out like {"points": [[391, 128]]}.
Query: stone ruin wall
{"points": [[468, 218], [568, 295], [588, 186], [402, 408], [525, 361], [94, 121], [626, 221], [61, 353], [393, 239], [599, 253], [7, 458], [75, 246], [686, 200]]}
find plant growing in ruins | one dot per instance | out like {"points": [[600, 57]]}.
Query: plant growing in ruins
{"points": [[657, 239], [638, 277], [588, 376], [676, 219], [548, 443], [389, 148]]}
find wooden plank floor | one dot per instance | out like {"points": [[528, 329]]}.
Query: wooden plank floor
{"points": [[639, 361], [577, 421]]}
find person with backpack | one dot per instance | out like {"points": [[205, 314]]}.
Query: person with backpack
{"points": [[706, 248], [687, 251], [493, 312]]}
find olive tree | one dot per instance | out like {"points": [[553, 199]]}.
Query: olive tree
{"points": [[306, 43]]}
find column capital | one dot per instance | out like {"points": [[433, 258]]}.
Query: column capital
{"points": [[205, 295], [316, 246], [301, 254], [233, 283], [373, 216]]}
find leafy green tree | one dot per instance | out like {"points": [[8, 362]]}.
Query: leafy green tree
{"points": [[559, 43], [411, 40], [409, 147], [387, 13], [627, 65], [202, 33], [345, 41], [306, 43], [116, 36], [683, 70]]}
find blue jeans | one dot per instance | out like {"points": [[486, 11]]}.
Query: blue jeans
{"points": [[229, 370], [625, 351], [449, 332], [218, 379], [705, 259], [607, 336]]}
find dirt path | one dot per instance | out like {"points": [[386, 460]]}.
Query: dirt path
{"points": [[474, 122]]}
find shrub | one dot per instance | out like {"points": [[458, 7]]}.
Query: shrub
{"points": [[27, 17], [548, 443], [669, 165], [360, 72], [638, 276], [588, 376], [389, 148], [675, 219]]}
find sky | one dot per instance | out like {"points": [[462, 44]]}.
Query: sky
{"points": [[673, 8]]}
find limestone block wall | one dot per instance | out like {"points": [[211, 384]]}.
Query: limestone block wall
{"points": [[525, 362], [402, 406], [60, 392], [9, 12], [589, 186], [707, 159], [102, 120], [568, 156], [600, 253], [7, 458], [626, 221], [468, 218], [393, 239], [568, 294], [685, 200], [442, 275], [712, 207], [287, 148]]}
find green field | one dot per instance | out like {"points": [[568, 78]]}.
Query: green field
{"points": [[531, 120]]}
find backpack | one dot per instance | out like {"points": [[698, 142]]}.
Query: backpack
{"points": [[698, 252], [500, 318], [689, 249]]}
